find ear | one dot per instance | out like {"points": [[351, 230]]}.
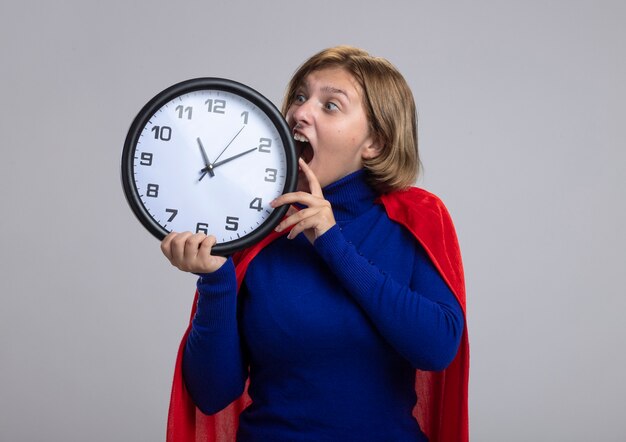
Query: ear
{"points": [[372, 149]]}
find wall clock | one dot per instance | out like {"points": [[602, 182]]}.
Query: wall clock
{"points": [[208, 155]]}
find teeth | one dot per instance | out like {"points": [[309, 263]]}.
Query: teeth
{"points": [[301, 138]]}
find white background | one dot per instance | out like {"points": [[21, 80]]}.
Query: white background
{"points": [[521, 120]]}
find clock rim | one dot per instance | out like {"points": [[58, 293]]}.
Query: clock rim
{"points": [[184, 87]]}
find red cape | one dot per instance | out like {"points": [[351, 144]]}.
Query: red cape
{"points": [[442, 408]]}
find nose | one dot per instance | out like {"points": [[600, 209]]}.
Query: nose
{"points": [[303, 112]]}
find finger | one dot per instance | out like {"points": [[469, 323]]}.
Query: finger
{"points": [[166, 244], [296, 218], [303, 198], [178, 248], [305, 224], [314, 184], [203, 255], [210, 263], [191, 247], [206, 245]]}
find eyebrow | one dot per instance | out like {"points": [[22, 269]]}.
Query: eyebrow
{"points": [[334, 90]]}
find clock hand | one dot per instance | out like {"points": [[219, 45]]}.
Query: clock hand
{"points": [[209, 166], [234, 157], [230, 142]]}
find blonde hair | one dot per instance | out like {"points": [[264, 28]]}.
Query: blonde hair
{"points": [[390, 110]]}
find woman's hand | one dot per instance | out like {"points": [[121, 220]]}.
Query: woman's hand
{"points": [[191, 252], [316, 218]]}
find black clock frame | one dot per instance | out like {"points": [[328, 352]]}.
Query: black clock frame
{"points": [[185, 87]]}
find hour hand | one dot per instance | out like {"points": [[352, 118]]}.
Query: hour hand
{"points": [[207, 163], [219, 163]]}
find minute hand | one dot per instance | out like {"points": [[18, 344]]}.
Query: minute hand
{"points": [[229, 143], [219, 163]]}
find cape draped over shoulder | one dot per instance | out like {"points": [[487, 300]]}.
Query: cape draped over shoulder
{"points": [[442, 406]]}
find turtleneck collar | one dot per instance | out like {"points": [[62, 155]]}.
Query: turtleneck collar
{"points": [[350, 196]]}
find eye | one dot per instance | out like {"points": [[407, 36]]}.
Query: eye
{"points": [[299, 99], [330, 106]]}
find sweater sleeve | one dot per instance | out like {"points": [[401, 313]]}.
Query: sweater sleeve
{"points": [[423, 320], [214, 369]]}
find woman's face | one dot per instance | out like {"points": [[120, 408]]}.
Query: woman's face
{"points": [[330, 126]]}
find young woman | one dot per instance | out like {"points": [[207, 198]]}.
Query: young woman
{"points": [[348, 323]]}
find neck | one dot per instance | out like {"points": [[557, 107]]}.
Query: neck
{"points": [[350, 196]]}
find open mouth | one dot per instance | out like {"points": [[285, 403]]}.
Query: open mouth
{"points": [[303, 147]]}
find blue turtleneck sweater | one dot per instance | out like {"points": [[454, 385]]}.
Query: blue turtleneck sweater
{"points": [[329, 334]]}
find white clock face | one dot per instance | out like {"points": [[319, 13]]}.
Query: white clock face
{"points": [[209, 161]]}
